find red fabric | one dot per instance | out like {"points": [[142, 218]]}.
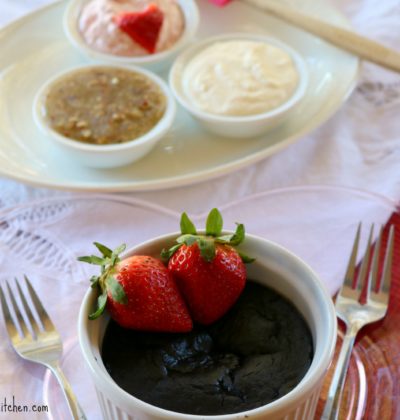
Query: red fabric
{"points": [[386, 334], [378, 348]]}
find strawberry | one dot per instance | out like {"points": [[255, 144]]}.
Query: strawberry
{"points": [[220, 2], [143, 27], [209, 271], [139, 292]]}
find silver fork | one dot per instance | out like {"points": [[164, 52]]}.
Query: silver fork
{"points": [[356, 315], [34, 343]]}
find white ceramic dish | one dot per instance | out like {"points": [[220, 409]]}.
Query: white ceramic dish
{"points": [[56, 229], [241, 127], [25, 155], [112, 155], [156, 61], [297, 282]]}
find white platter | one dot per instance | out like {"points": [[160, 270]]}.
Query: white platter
{"points": [[34, 48]]}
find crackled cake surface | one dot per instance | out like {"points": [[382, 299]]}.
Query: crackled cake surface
{"points": [[255, 354]]}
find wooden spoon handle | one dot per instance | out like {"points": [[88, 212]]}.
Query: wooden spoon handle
{"points": [[343, 38]]}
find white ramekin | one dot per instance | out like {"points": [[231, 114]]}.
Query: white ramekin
{"points": [[238, 127], [297, 282], [156, 62], [111, 155]]}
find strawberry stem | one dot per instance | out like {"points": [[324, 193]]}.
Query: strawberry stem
{"points": [[207, 243], [106, 282]]}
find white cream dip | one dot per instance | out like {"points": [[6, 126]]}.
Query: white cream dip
{"points": [[240, 77]]}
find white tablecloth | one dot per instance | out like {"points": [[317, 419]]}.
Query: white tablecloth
{"points": [[358, 147]]}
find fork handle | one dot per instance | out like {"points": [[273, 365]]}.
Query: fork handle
{"points": [[331, 410], [74, 407]]}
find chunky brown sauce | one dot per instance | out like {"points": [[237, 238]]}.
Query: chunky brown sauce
{"points": [[104, 105]]}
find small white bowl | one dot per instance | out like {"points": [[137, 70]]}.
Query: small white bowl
{"points": [[110, 155], [297, 282], [237, 126], [155, 62]]}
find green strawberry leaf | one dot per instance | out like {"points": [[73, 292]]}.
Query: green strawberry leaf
{"points": [[116, 290], [225, 239], [246, 259], [119, 249], [101, 304], [238, 236], [214, 223], [207, 248], [106, 252], [187, 226], [105, 282], [187, 239], [115, 255], [93, 259], [235, 239], [166, 254], [94, 281]]}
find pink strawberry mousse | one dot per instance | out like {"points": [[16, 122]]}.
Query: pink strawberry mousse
{"points": [[99, 30]]}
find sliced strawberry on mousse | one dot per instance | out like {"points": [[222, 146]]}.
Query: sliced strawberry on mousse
{"points": [[143, 27], [139, 292], [209, 271]]}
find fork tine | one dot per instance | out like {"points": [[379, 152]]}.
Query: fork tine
{"points": [[363, 272], [26, 333], [10, 325], [349, 276], [373, 274], [43, 316], [28, 311], [387, 266]]}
